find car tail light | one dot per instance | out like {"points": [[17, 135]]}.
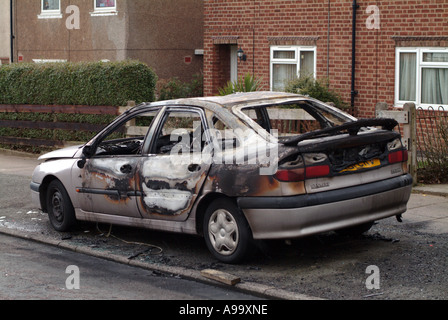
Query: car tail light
{"points": [[293, 175], [296, 175], [317, 171], [398, 156]]}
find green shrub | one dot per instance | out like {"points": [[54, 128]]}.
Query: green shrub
{"points": [[316, 88], [247, 84], [83, 83], [58, 117], [175, 89]]}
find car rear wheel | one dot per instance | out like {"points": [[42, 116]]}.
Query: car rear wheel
{"points": [[60, 208], [226, 231]]}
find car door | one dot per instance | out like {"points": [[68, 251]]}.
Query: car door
{"points": [[108, 175], [172, 173]]}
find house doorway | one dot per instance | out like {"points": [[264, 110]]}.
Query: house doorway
{"points": [[226, 65]]}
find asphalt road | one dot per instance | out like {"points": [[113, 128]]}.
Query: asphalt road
{"points": [[34, 271], [410, 257]]}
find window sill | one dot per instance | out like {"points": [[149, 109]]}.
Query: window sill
{"points": [[49, 60], [103, 13], [49, 16]]}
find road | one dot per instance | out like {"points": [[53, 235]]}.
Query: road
{"points": [[35, 271], [410, 257]]}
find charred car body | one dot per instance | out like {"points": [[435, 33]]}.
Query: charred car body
{"points": [[223, 168]]}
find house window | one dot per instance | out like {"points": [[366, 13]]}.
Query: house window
{"points": [[289, 62], [50, 9], [51, 6], [104, 8], [105, 5], [422, 76]]}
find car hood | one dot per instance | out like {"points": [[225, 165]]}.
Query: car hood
{"points": [[68, 152]]}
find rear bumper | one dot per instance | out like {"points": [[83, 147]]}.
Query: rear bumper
{"points": [[296, 216]]}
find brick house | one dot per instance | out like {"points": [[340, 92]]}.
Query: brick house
{"points": [[165, 34], [400, 49]]}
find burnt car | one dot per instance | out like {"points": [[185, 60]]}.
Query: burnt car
{"points": [[229, 169]]}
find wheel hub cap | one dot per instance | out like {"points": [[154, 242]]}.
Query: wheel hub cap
{"points": [[57, 203], [223, 232]]}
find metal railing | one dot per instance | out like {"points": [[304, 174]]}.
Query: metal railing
{"points": [[432, 142], [425, 134]]}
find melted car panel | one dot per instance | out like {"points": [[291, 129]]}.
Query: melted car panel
{"points": [[169, 185]]}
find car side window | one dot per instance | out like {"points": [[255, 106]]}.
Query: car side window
{"points": [[224, 135], [127, 138], [292, 119], [181, 132], [284, 120], [218, 124], [257, 114]]}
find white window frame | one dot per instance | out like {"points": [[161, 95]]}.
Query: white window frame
{"points": [[419, 51], [297, 50], [106, 11], [49, 14], [49, 60]]}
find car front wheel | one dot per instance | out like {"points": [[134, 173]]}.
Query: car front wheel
{"points": [[60, 208], [227, 233]]}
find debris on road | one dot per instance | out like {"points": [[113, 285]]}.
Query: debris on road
{"points": [[220, 276]]}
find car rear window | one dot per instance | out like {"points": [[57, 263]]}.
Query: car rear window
{"points": [[294, 119]]}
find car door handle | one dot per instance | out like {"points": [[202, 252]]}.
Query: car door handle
{"points": [[126, 168], [194, 167]]}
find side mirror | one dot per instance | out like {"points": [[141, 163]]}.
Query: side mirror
{"points": [[86, 153], [81, 163]]}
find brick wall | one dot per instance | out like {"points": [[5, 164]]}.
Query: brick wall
{"points": [[256, 25]]}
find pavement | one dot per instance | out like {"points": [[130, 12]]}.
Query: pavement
{"points": [[440, 190], [23, 164]]}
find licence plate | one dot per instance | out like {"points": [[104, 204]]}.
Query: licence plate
{"points": [[363, 165]]}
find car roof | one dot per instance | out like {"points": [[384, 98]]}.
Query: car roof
{"points": [[235, 99], [250, 97]]}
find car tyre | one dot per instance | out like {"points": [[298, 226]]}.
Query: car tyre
{"points": [[60, 208], [226, 231]]}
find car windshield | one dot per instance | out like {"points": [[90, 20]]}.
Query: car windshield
{"points": [[292, 118]]}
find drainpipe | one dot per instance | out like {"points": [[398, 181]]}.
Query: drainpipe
{"points": [[353, 91], [11, 29], [328, 39]]}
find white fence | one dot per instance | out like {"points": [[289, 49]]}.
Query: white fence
{"points": [[407, 119]]}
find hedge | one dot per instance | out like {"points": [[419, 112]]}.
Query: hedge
{"points": [[83, 83]]}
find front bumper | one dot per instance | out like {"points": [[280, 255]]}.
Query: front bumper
{"points": [[35, 194], [302, 215]]}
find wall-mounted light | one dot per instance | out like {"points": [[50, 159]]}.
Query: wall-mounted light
{"points": [[241, 54]]}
